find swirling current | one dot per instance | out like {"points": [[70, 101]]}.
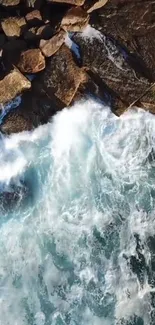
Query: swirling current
{"points": [[77, 226]]}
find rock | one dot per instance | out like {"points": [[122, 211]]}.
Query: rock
{"points": [[61, 77], [31, 61], [75, 20], [91, 5], [13, 26], [2, 40], [34, 18], [15, 122], [13, 196], [35, 33], [13, 84], [10, 3], [12, 50], [104, 57], [51, 46], [72, 2]]}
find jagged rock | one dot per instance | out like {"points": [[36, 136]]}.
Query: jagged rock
{"points": [[91, 5], [13, 26], [13, 84], [75, 20], [105, 58], [8, 3], [34, 18], [31, 61], [51, 46], [61, 77], [72, 2]]}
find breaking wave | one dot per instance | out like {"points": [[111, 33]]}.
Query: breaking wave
{"points": [[77, 246]]}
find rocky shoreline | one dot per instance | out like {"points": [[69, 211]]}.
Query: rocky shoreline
{"points": [[54, 52]]}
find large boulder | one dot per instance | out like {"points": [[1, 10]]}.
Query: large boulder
{"points": [[13, 84], [61, 77], [51, 46], [75, 20], [31, 61]]}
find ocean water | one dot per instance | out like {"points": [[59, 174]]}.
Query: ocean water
{"points": [[77, 242]]}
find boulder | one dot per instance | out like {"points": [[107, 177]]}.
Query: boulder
{"points": [[51, 46], [72, 2], [31, 61], [75, 20], [13, 26], [34, 18], [105, 57], [16, 122], [10, 3], [91, 5], [61, 77], [13, 84]]}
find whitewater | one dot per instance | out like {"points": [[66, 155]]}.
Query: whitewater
{"points": [[78, 247]]}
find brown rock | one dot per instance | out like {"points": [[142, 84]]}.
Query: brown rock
{"points": [[72, 2], [34, 18], [75, 20], [31, 61], [61, 77], [15, 122], [10, 3], [91, 5], [51, 46], [12, 85], [13, 26]]}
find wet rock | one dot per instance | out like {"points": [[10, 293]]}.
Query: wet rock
{"points": [[61, 77], [31, 61], [13, 26], [72, 2], [91, 5], [15, 122], [34, 18], [75, 20], [102, 55], [13, 196], [13, 84], [8, 3], [51, 46]]}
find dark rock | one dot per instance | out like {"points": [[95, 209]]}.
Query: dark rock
{"points": [[61, 77], [13, 84], [31, 61], [13, 26], [106, 58], [12, 50], [75, 20], [51, 46], [34, 34]]}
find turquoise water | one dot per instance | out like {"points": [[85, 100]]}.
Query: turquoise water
{"points": [[78, 245]]}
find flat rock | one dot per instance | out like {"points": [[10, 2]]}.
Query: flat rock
{"points": [[31, 61], [72, 2], [75, 20], [13, 26], [102, 55], [61, 77], [13, 84], [91, 5], [51, 46]]}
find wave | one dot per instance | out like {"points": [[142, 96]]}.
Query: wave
{"points": [[80, 249]]}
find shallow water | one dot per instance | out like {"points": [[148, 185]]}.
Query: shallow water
{"points": [[79, 248]]}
